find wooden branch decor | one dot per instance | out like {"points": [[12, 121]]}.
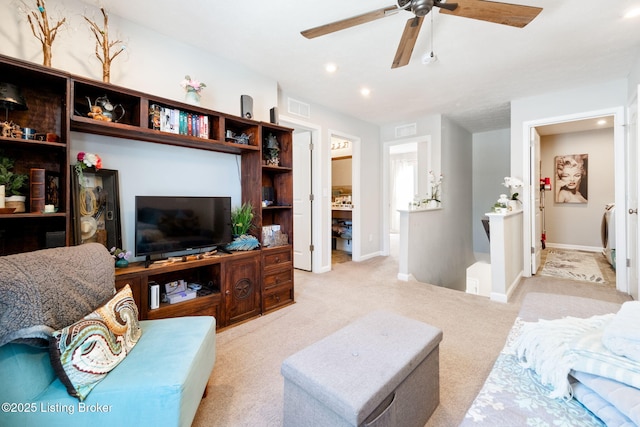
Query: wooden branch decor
{"points": [[42, 29], [103, 46]]}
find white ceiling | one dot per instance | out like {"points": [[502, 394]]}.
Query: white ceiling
{"points": [[481, 66]]}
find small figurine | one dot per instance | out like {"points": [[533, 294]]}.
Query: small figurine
{"points": [[96, 113]]}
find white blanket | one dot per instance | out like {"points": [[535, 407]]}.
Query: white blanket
{"points": [[544, 346], [621, 397], [552, 348], [622, 335]]}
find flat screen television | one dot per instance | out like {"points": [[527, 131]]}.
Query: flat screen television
{"points": [[166, 224]]}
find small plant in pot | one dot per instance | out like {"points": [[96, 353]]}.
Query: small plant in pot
{"points": [[241, 224], [13, 184]]}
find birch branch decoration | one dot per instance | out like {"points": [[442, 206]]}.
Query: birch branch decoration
{"points": [[42, 29], [103, 45]]}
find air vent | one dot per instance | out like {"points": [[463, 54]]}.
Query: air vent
{"points": [[298, 108], [406, 130]]}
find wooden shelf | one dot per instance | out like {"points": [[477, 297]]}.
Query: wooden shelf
{"points": [[59, 103]]}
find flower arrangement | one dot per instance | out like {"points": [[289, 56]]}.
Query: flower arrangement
{"points": [[118, 253], [511, 182], [435, 184], [84, 161], [192, 85]]}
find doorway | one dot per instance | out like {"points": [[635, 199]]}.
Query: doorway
{"points": [[341, 200], [308, 255], [532, 185], [577, 166]]}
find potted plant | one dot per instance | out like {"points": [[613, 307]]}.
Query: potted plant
{"points": [[241, 223], [13, 184], [241, 219]]}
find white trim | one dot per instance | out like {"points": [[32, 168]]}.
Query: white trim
{"points": [[316, 186], [595, 249]]}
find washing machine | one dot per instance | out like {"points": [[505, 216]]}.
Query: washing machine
{"points": [[609, 233]]}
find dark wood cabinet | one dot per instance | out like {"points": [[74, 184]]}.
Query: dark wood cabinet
{"points": [[242, 285], [46, 94], [277, 280], [242, 288]]}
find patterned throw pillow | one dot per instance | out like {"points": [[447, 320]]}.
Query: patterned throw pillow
{"points": [[84, 353]]}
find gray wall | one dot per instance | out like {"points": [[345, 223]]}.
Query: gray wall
{"points": [[491, 153], [578, 224], [443, 248]]}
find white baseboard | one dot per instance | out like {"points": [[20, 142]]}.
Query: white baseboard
{"points": [[575, 247]]}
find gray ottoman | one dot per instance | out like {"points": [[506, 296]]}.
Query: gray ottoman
{"points": [[381, 370]]}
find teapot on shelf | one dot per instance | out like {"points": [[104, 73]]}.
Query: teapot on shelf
{"points": [[104, 110]]}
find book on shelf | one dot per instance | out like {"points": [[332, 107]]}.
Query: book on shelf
{"points": [[176, 121], [36, 193]]}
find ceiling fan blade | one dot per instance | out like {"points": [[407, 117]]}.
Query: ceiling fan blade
{"points": [[349, 22], [407, 42], [448, 6], [514, 15]]}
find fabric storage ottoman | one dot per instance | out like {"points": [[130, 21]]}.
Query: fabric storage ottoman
{"points": [[381, 370]]}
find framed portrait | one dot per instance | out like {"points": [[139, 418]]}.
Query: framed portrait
{"points": [[96, 207], [571, 178], [52, 189]]}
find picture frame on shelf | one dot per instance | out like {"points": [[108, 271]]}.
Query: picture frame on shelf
{"points": [[96, 208], [52, 189]]}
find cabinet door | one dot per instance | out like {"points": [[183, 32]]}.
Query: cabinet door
{"points": [[242, 289]]}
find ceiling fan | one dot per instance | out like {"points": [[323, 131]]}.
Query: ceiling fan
{"points": [[500, 13]]}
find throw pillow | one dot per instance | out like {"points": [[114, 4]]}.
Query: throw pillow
{"points": [[84, 353]]}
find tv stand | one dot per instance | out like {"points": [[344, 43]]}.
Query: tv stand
{"points": [[234, 281]]}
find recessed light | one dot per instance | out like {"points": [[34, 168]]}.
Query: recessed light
{"points": [[365, 91], [331, 68], [633, 13], [602, 122]]}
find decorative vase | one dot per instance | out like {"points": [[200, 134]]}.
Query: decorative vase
{"points": [[122, 263], [192, 97]]}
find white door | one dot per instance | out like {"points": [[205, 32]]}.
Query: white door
{"points": [[633, 184], [302, 200], [536, 213]]}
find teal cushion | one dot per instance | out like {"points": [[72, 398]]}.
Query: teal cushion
{"points": [[25, 367], [159, 384]]}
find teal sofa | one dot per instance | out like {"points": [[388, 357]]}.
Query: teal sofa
{"points": [[159, 383]]}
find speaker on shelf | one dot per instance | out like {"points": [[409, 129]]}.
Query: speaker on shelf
{"points": [[246, 106], [268, 195], [154, 295], [273, 115], [55, 239]]}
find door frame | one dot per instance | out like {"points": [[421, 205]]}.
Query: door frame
{"points": [[356, 200], [619, 182], [316, 189], [386, 196]]}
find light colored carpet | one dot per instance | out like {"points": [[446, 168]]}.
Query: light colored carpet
{"points": [[575, 265], [246, 387]]}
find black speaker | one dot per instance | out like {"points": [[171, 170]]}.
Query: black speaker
{"points": [[273, 115], [246, 106], [268, 195], [54, 239]]}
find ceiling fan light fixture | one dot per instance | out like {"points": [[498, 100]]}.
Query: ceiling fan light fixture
{"points": [[331, 68], [633, 13], [429, 58]]}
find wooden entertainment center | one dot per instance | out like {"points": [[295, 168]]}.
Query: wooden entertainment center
{"points": [[240, 285]]}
